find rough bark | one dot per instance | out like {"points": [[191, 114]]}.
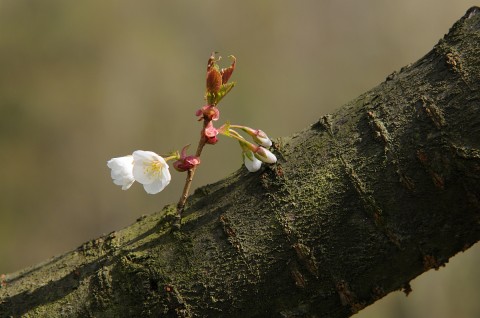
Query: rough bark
{"points": [[359, 204]]}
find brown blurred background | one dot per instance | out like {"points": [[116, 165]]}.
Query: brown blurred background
{"points": [[84, 81]]}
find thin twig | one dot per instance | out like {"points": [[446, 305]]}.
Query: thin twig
{"points": [[188, 181]]}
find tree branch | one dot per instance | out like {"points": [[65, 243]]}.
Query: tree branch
{"points": [[360, 203]]}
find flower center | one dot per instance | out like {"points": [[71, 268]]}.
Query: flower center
{"points": [[155, 167]]}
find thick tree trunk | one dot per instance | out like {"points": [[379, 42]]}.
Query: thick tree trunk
{"points": [[359, 204]]}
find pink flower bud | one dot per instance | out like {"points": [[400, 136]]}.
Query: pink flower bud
{"points": [[265, 155], [210, 134], [262, 139], [259, 136], [208, 112]]}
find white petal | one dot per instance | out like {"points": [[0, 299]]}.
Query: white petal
{"points": [[251, 164], [122, 171], [262, 139], [265, 142], [142, 172], [145, 155], [126, 185], [156, 186], [271, 157], [166, 174], [120, 162]]}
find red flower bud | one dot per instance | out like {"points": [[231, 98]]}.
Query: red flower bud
{"points": [[214, 81], [214, 78], [185, 162]]}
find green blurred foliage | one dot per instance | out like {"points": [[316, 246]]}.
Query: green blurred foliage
{"points": [[84, 81]]}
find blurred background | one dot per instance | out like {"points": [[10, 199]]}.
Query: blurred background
{"points": [[84, 81]]}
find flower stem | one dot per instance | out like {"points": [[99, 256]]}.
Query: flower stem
{"points": [[188, 181]]}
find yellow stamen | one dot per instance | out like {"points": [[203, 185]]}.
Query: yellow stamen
{"points": [[153, 167]]}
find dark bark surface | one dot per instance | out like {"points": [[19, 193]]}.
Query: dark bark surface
{"points": [[359, 204]]}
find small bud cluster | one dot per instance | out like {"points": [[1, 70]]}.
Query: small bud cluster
{"points": [[152, 170], [255, 153]]}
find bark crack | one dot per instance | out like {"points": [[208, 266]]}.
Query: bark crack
{"points": [[304, 254], [234, 240], [382, 133], [433, 112], [369, 203]]}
